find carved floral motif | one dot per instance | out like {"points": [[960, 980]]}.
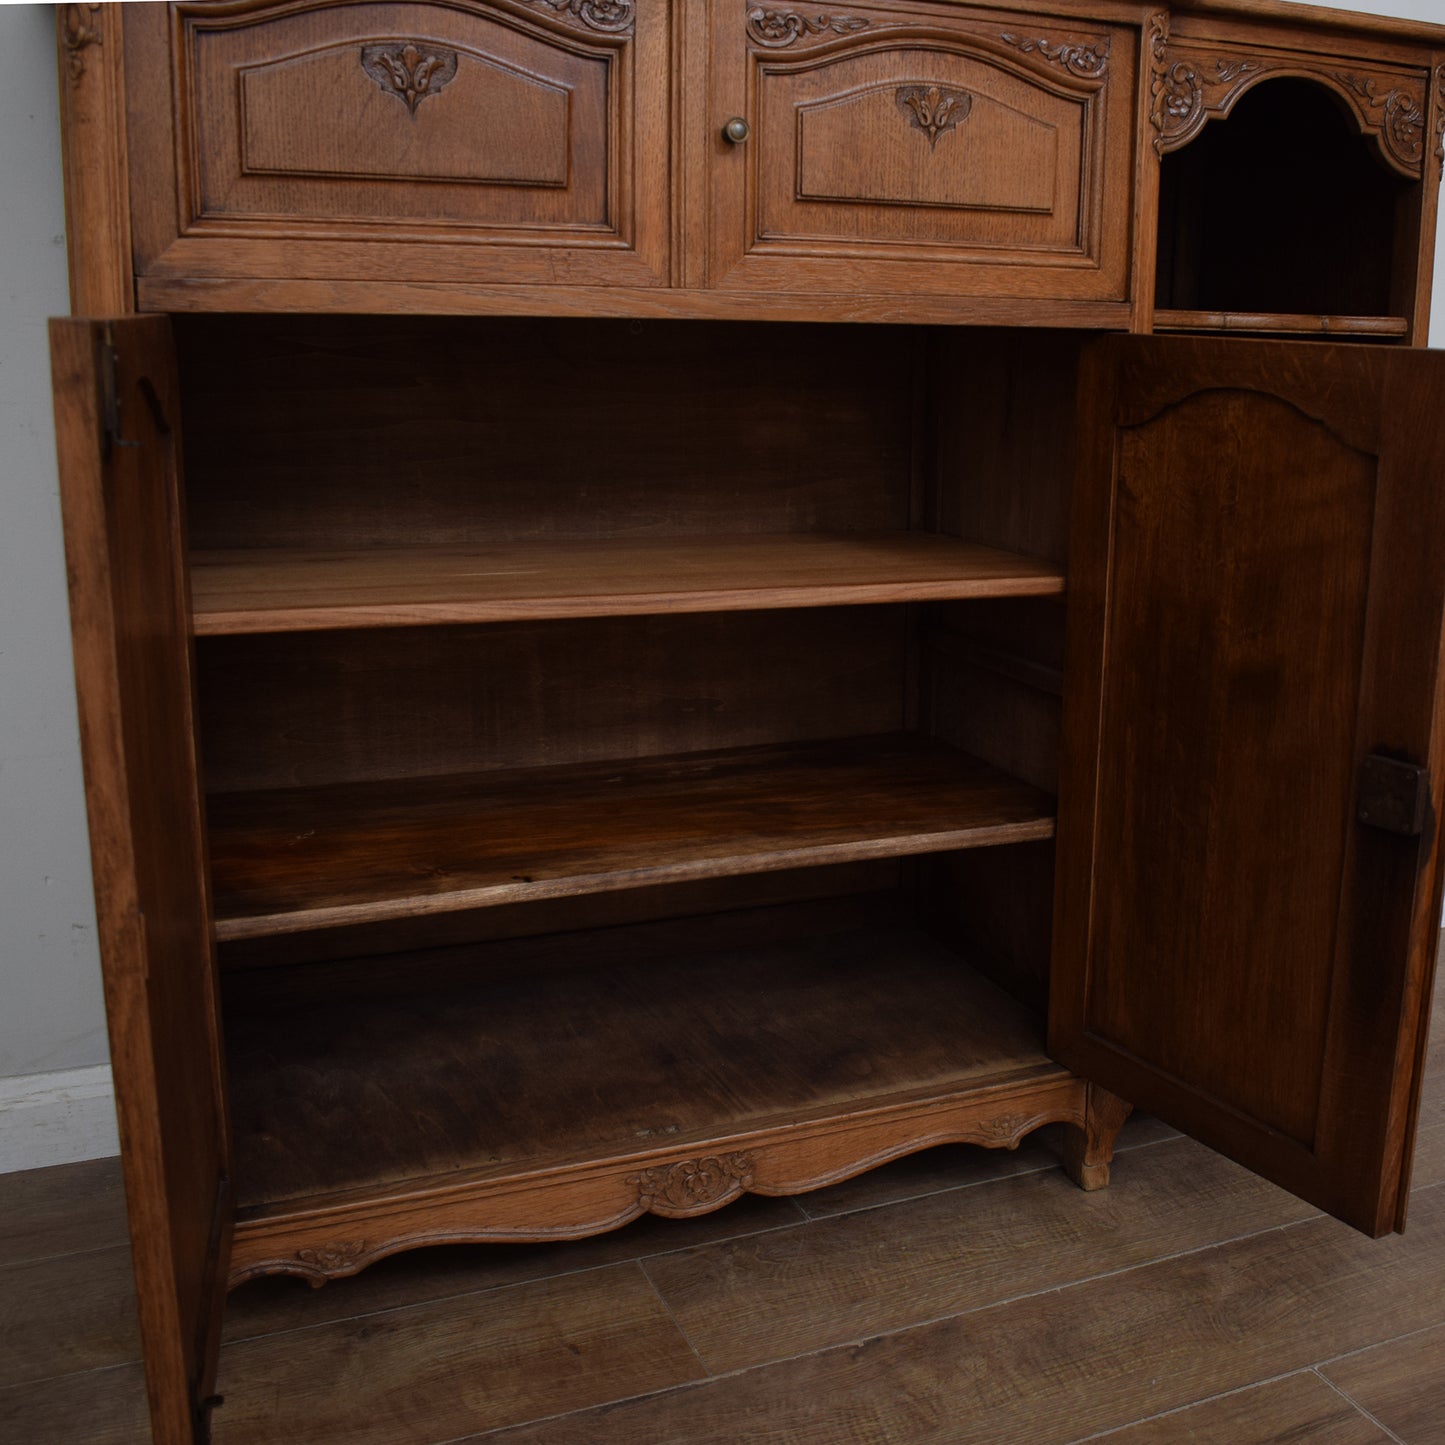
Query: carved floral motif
{"points": [[1158, 42], [410, 74], [1186, 92], [79, 31], [692, 1184], [1090, 62], [610, 16], [932, 109], [777, 28], [1440, 118], [333, 1258], [1006, 1129], [1402, 117]]}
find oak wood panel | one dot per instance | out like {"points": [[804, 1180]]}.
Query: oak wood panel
{"points": [[694, 1045], [746, 1301], [461, 1365], [1261, 322], [1067, 1363], [1401, 1383], [92, 143], [384, 296], [396, 702], [520, 142], [362, 432], [898, 148], [289, 590], [130, 612], [1254, 559], [298, 858]]}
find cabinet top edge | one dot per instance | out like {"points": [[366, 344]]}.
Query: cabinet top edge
{"points": [[1295, 12]]}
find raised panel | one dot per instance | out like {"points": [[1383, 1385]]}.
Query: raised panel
{"points": [[920, 149], [908, 148], [467, 142], [496, 124], [926, 145]]}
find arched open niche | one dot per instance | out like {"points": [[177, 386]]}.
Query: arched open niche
{"points": [[1284, 211]]}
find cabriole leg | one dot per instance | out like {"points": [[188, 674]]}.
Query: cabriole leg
{"points": [[1089, 1147]]}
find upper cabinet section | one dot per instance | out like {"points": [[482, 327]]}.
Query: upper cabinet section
{"points": [[517, 141], [920, 149]]}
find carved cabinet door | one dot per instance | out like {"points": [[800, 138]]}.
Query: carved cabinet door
{"points": [[117, 441], [486, 141], [906, 148], [1249, 864]]}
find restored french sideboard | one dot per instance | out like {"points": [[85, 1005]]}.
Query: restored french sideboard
{"points": [[674, 598]]}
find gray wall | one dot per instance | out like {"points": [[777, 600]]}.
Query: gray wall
{"points": [[51, 1016]]}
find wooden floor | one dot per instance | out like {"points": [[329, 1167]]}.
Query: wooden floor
{"points": [[958, 1296]]}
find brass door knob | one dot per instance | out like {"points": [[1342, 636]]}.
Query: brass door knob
{"points": [[737, 130]]}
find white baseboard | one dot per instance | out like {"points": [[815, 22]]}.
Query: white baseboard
{"points": [[57, 1118]]}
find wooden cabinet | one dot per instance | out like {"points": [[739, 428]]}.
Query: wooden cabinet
{"points": [[574, 728], [517, 143], [921, 149]]}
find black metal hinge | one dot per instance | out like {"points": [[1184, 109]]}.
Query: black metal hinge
{"points": [[1392, 795], [110, 421]]}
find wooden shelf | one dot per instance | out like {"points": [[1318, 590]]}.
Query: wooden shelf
{"points": [[300, 858], [789, 1062], [294, 590], [1275, 323]]}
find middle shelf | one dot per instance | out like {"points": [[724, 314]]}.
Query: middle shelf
{"points": [[299, 589], [291, 859]]}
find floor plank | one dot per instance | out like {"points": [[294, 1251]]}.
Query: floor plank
{"points": [[1429, 1157], [61, 1210], [1063, 1364], [74, 1312], [437, 1371], [104, 1407], [1401, 1383], [762, 1298], [1298, 1408]]}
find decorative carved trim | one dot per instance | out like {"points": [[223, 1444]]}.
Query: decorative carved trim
{"points": [[1191, 89], [79, 31], [1089, 62], [334, 1258], [1158, 41], [693, 1185], [932, 109], [1007, 1129], [410, 74], [777, 28], [1402, 125], [609, 16], [1440, 118]]}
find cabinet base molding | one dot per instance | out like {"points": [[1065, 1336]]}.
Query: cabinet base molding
{"points": [[321, 1242]]}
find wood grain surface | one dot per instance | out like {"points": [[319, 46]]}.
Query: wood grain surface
{"points": [[526, 1071], [288, 590], [310, 858]]}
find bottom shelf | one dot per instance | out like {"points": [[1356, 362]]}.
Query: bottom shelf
{"points": [[552, 1102]]}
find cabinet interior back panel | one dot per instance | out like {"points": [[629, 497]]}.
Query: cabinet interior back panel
{"points": [[326, 707], [345, 432]]}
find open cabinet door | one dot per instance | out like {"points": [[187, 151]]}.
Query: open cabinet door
{"points": [[1249, 891], [116, 420]]}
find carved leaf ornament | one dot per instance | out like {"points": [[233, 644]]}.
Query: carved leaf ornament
{"points": [[407, 72], [932, 109], [1403, 117], [1089, 62], [777, 28], [609, 16], [692, 1185]]}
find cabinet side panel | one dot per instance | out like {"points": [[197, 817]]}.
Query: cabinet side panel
{"points": [[130, 617]]}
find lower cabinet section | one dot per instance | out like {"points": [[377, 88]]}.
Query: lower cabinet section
{"points": [[555, 1086]]}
